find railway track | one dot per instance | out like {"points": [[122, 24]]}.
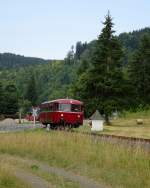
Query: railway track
{"points": [[125, 138], [113, 138], [128, 141], [132, 141]]}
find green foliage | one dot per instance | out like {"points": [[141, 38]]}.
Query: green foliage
{"points": [[31, 93], [24, 106], [1, 98], [8, 99], [80, 48], [139, 72], [100, 86], [130, 42], [52, 81], [11, 99], [99, 73], [9, 61]]}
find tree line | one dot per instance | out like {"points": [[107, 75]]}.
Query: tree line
{"points": [[106, 82], [8, 99], [110, 74], [10, 61]]}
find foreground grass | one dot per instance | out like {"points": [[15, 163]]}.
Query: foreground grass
{"points": [[111, 164], [33, 168], [8, 180]]}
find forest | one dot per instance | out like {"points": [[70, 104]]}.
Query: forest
{"points": [[110, 73]]}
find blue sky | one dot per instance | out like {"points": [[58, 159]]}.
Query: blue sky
{"points": [[48, 28]]}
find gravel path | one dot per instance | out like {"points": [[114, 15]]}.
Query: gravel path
{"points": [[34, 181], [83, 181]]}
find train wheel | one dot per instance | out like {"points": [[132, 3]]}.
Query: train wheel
{"points": [[44, 125], [61, 127], [69, 127], [52, 126]]}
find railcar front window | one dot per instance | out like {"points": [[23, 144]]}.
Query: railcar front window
{"points": [[65, 107], [75, 108]]}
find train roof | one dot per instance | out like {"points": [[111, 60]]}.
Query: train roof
{"points": [[65, 101]]}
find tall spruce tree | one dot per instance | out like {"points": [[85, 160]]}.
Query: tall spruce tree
{"points": [[10, 103], [1, 98], [31, 93], [101, 86], [139, 72]]}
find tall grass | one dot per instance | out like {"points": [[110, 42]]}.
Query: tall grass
{"points": [[139, 113], [115, 165], [8, 180]]}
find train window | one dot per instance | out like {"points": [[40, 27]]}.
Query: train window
{"points": [[50, 107], [55, 106], [64, 107], [75, 108]]}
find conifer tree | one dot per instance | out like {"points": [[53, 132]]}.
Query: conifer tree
{"points": [[101, 86], [139, 72], [1, 98], [10, 103], [31, 93]]}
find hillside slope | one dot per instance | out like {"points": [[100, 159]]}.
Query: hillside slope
{"points": [[53, 79], [9, 61]]}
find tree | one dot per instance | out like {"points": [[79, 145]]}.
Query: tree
{"points": [[70, 56], [10, 103], [100, 86], [80, 48], [139, 72], [1, 98], [31, 93]]}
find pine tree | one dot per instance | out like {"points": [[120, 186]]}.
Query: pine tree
{"points": [[70, 56], [139, 72], [101, 87], [10, 103], [31, 93], [1, 98]]}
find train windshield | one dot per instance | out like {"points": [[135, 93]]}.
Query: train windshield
{"points": [[70, 107], [65, 107]]}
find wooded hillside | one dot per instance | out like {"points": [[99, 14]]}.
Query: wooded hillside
{"points": [[9, 61], [56, 79]]}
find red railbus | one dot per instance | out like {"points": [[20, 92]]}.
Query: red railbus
{"points": [[61, 113]]}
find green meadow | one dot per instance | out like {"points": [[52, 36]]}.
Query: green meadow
{"points": [[109, 164]]}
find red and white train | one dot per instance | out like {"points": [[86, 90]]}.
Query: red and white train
{"points": [[61, 113]]}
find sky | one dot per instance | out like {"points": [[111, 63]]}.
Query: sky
{"points": [[48, 28]]}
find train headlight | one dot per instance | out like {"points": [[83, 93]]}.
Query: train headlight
{"points": [[62, 115], [78, 116]]}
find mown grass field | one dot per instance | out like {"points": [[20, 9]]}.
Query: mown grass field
{"points": [[107, 163], [125, 125]]}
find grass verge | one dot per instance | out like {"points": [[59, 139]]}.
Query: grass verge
{"points": [[108, 163], [23, 164], [8, 180]]}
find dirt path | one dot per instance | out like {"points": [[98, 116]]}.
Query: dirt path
{"points": [[83, 181], [34, 181]]}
